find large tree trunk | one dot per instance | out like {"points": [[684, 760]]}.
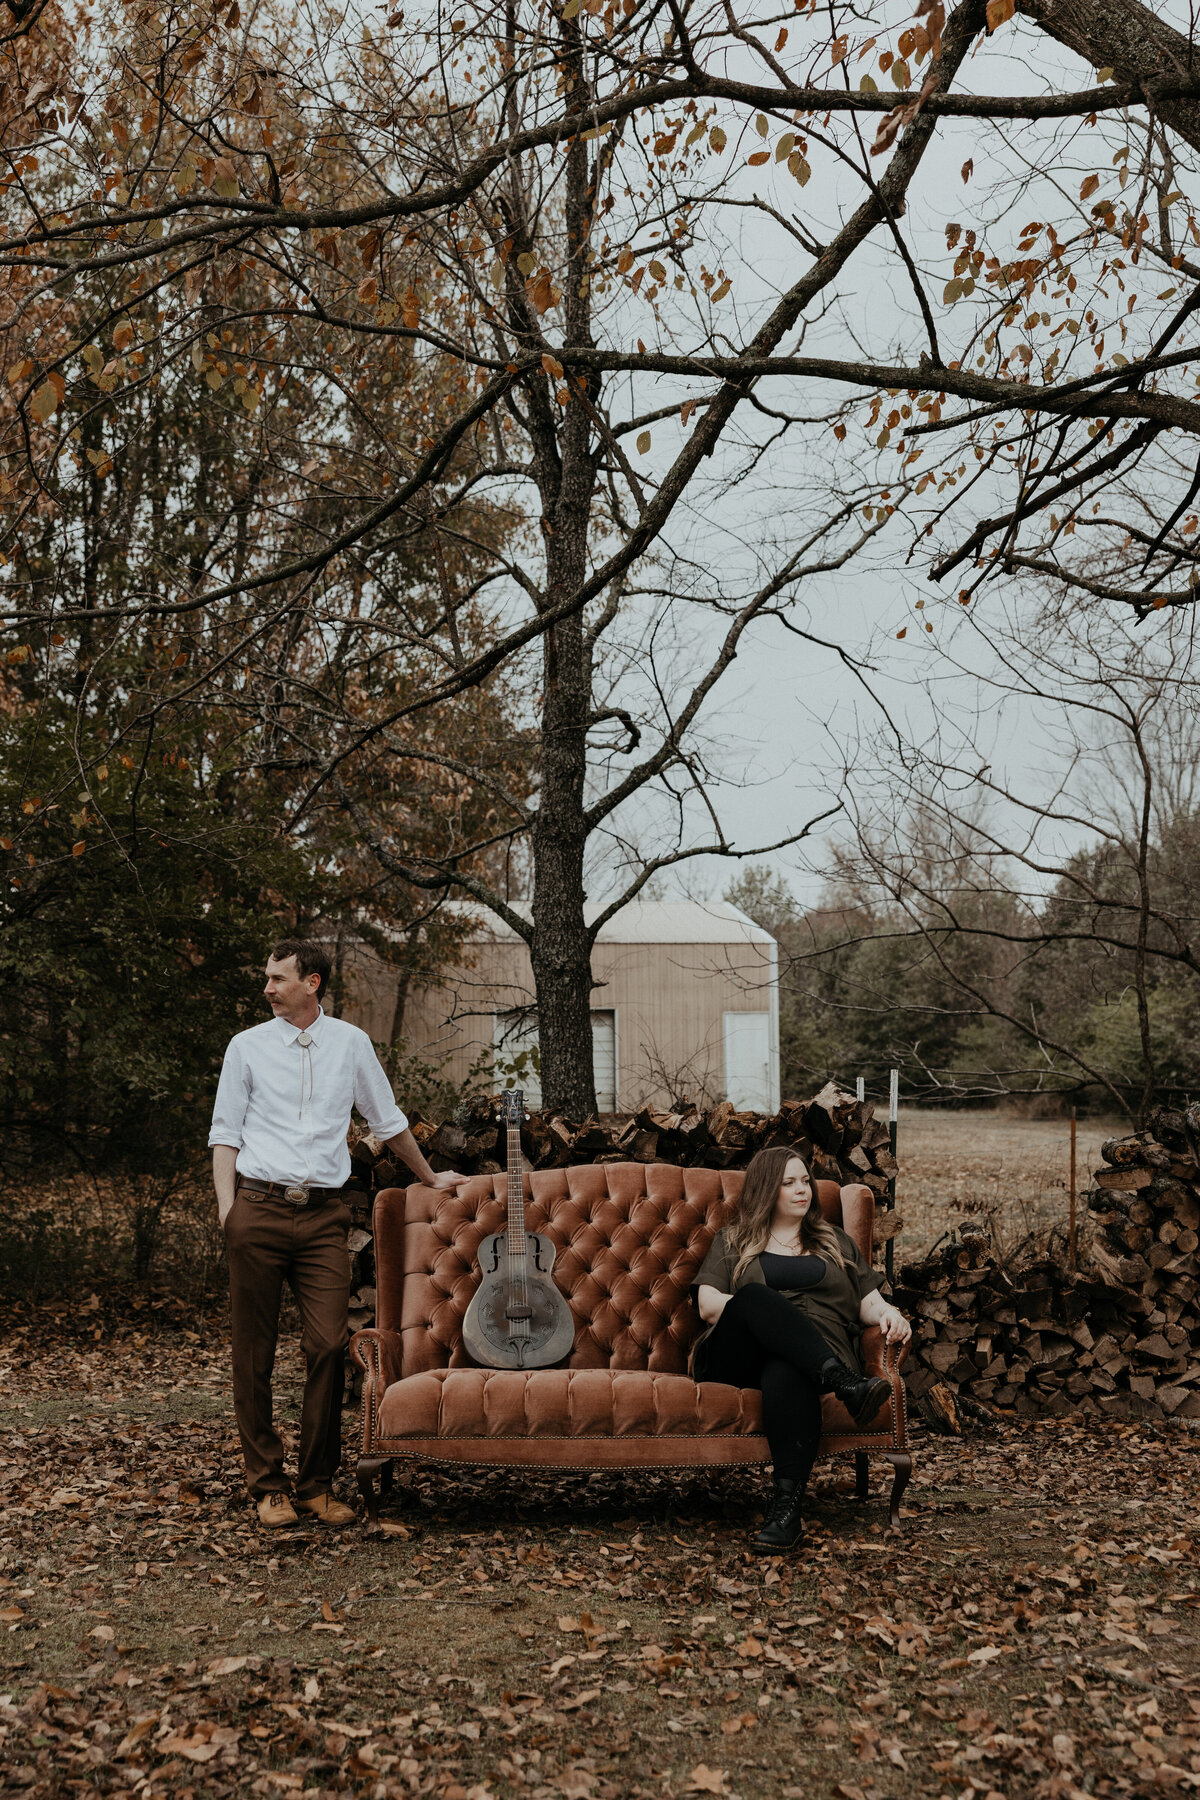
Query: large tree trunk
{"points": [[561, 947], [1132, 41]]}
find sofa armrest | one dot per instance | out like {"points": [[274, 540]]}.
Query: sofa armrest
{"points": [[878, 1358], [379, 1354]]}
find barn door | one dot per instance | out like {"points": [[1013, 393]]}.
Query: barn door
{"points": [[515, 1042], [748, 1060], [604, 1059]]}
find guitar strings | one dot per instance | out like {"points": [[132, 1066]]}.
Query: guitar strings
{"points": [[518, 1244]]}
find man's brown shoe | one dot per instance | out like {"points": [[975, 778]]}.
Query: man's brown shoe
{"points": [[327, 1509], [275, 1510]]}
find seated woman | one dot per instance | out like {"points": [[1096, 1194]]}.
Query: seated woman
{"points": [[782, 1293]]}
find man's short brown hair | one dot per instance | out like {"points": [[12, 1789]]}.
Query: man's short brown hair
{"points": [[311, 957]]}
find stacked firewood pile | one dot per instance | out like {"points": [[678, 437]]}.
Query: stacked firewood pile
{"points": [[841, 1135], [1120, 1335], [838, 1135]]}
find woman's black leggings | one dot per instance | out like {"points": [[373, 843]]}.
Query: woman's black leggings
{"points": [[762, 1341]]}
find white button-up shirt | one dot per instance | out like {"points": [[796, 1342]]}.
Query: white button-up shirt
{"points": [[285, 1107]]}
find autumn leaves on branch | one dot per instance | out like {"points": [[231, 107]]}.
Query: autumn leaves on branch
{"points": [[403, 195]]}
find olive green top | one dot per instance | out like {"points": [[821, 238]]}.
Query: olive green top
{"points": [[832, 1305]]}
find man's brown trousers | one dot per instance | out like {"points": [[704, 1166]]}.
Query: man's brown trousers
{"points": [[269, 1241]]}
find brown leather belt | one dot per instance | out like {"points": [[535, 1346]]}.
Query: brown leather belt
{"points": [[295, 1196]]}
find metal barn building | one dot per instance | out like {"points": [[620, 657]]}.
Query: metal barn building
{"points": [[686, 1002]]}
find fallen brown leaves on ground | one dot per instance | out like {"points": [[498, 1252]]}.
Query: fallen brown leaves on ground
{"points": [[1034, 1629]]}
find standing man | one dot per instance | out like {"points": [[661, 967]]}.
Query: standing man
{"points": [[280, 1162]]}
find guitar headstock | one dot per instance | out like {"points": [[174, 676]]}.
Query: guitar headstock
{"points": [[512, 1106]]}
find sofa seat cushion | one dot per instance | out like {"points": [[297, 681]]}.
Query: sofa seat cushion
{"points": [[598, 1418]]}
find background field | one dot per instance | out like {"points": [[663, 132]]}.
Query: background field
{"points": [[1009, 1172]]}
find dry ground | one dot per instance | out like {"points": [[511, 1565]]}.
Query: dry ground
{"points": [[1011, 1172], [1034, 1629]]}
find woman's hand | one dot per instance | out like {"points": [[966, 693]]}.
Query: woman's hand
{"points": [[875, 1310], [894, 1326], [711, 1302]]}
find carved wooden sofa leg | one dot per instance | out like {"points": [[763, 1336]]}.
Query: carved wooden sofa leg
{"points": [[368, 1468], [862, 1473], [901, 1462]]}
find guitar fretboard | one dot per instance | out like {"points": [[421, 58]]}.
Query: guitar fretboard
{"points": [[516, 1193]]}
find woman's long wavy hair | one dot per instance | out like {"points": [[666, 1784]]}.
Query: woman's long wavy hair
{"points": [[750, 1227]]}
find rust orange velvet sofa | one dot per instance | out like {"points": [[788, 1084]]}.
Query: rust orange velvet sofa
{"points": [[629, 1239]]}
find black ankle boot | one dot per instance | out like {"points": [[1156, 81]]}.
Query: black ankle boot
{"points": [[783, 1527], [861, 1395]]}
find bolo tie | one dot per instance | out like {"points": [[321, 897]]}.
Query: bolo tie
{"points": [[305, 1042]]}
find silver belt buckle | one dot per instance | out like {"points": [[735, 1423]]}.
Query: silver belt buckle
{"points": [[297, 1195]]}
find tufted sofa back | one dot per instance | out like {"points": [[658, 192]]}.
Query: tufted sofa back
{"points": [[629, 1239]]}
